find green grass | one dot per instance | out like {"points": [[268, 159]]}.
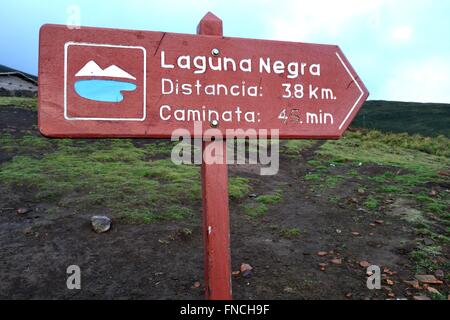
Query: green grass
{"points": [[259, 206], [371, 203], [294, 147], [111, 174], [424, 258], [290, 233], [270, 199], [390, 189], [423, 158], [171, 213], [26, 144], [238, 187], [255, 210], [437, 207], [313, 177], [26, 103]]}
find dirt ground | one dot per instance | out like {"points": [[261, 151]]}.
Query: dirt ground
{"points": [[161, 261]]}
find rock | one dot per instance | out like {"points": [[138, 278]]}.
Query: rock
{"points": [[246, 270], [428, 242], [23, 210], [433, 290], [252, 195], [433, 193], [27, 231], [389, 272], [349, 295], [361, 191], [372, 224], [322, 266], [356, 233], [289, 290], [338, 231], [379, 221], [336, 261], [101, 224], [428, 279], [364, 264], [391, 295], [390, 282], [413, 283], [322, 253], [421, 298], [196, 285], [439, 274]]}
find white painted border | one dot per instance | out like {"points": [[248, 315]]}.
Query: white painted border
{"points": [[66, 47], [357, 84]]}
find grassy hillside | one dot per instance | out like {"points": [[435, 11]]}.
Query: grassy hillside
{"points": [[427, 119]]}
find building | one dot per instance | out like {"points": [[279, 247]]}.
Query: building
{"points": [[17, 83]]}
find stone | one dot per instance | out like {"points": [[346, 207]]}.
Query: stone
{"points": [[23, 210], [322, 253], [364, 264], [246, 270], [428, 279], [336, 261], [433, 290], [288, 290], [101, 224], [413, 283], [421, 298]]}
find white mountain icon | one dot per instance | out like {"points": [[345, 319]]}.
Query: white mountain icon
{"points": [[92, 69]]}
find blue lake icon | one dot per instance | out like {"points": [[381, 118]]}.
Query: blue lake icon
{"points": [[103, 90]]}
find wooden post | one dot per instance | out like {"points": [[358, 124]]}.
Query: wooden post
{"points": [[216, 225]]}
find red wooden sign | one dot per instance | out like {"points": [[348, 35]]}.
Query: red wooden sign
{"points": [[119, 83]]}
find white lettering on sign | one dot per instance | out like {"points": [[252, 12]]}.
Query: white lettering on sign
{"points": [[201, 64], [203, 114]]}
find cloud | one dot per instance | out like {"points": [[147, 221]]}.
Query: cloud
{"points": [[424, 81], [401, 33], [304, 19]]}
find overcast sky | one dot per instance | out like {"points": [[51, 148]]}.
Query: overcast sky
{"points": [[400, 48]]}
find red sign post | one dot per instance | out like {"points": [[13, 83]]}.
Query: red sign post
{"points": [[104, 83], [216, 218]]}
